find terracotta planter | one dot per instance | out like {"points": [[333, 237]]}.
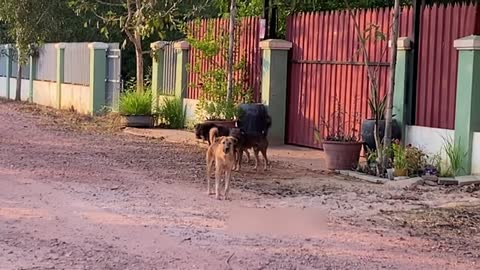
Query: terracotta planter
{"points": [[399, 172], [342, 155], [224, 123], [138, 121]]}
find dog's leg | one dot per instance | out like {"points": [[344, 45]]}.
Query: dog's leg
{"points": [[218, 174], [264, 154], [248, 155], [228, 176], [239, 159], [209, 173], [255, 152]]}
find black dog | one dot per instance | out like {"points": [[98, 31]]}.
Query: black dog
{"points": [[245, 141], [202, 131]]}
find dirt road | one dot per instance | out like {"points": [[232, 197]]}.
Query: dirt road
{"points": [[74, 195]]}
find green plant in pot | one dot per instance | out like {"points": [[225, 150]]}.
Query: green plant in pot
{"points": [[213, 105], [400, 164], [341, 144], [136, 108]]}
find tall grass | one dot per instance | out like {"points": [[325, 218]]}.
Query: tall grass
{"points": [[172, 113], [133, 103], [456, 157]]}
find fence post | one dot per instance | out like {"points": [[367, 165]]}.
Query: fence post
{"points": [[60, 71], [157, 70], [98, 75], [402, 100], [8, 71], [274, 85], [467, 113], [31, 78], [181, 74]]}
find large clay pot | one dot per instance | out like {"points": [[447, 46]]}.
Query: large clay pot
{"points": [[138, 121], [342, 155], [368, 135]]}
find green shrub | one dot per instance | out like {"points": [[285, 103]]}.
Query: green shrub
{"points": [[133, 103], [399, 156], [456, 157], [172, 113]]}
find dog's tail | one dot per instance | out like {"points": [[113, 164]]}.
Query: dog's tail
{"points": [[213, 134]]}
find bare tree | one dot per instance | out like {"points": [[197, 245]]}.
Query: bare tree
{"points": [[231, 46]]}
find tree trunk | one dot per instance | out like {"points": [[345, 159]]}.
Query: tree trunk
{"points": [[387, 141], [231, 46], [139, 58], [18, 91]]}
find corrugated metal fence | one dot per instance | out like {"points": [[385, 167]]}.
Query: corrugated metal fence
{"points": [[247, 48], [169, 69], [438, 60], [326, 69], [328, 72], [77, 64], [46, 63]]}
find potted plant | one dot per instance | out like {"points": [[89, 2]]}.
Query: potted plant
{"points": [[377, 110], [136, 108], [341, 145], [400, 164]]}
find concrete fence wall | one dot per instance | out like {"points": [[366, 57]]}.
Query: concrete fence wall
{"points": [[60, 76]]}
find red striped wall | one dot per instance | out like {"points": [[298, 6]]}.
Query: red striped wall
{"points": [[438, 60], [325, 68], [247, 47]]}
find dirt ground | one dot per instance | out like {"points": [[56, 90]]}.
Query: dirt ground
{"points": [[77, 193]]}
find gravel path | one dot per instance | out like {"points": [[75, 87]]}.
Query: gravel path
{"points": [[75, 193]]}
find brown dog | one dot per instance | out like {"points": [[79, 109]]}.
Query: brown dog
{"points": [[221, 153]]}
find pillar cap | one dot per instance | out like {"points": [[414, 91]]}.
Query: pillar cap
{"points": [[181, 45], [158, 45], [60, 45], [275, 44], [403, 44], [469, 43], [98, 45]]}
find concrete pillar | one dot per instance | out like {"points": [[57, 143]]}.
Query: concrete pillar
{"points": [[181, 75], [8, 68], [60, 71], [402, 99], [157, 70], [98, 75], [467, 113], [274, 85]]}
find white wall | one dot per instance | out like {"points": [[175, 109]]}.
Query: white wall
{"points": [[25, 89], [476, 154], [76, 96], [3, 87], [430, 140], [45, 93], [190, 105], [13, 87]]}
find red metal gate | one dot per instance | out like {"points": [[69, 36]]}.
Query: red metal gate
{"points": [[326, 71]]}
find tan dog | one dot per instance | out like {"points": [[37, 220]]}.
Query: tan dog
{"points": [[221, 153]]}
